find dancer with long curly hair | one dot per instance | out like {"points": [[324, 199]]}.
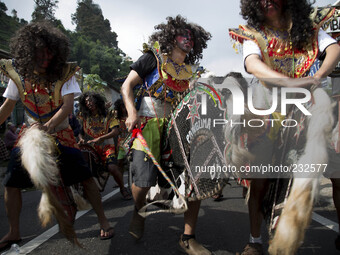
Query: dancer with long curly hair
{"points": [[281, 43], [164, 71], [99, 127], [45, 82]]}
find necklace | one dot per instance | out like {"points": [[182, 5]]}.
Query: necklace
{"points": [[175, 70], [178, 67]]}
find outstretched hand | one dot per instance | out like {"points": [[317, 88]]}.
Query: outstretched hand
{"points": [[95, 140]]}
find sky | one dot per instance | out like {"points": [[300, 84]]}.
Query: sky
{"points": [[134, 20]]}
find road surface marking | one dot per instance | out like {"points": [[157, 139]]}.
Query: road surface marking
{"points": [[326, 222], [34, 243]]}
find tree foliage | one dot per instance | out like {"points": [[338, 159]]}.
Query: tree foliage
{"points": [[90, 22], [93, 44], [8, 26], [44, 9], [93, 82], [3, 7], [96, 58]]}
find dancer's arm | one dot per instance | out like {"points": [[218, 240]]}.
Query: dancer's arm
{"points": [[127, 92], [113, 133], [61, 114], [6, 109], [263, 72], [330, 61]]}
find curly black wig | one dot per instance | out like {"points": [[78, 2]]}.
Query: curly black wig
{"points": [[119, 108], [165, 34], [298, 12], [34, 37], [97, 99]]}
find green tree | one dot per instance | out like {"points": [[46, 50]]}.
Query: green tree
{"points": [[44, 9], [93, 82], [3, 7], [94, 45], [96, 58], [8, 26], [90, 22], [15, 15]]}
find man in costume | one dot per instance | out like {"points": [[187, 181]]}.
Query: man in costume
{"points": [[164, 72], [281, 42], [99, 126], [45, 83]]}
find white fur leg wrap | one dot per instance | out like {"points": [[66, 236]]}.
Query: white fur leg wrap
{"points": [[45, 210], [296, 214], [37, 156]]}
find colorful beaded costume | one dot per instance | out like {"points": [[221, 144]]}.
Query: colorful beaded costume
{"points": [[169, 80], [96, 126], [276, 47], [41, 102]]}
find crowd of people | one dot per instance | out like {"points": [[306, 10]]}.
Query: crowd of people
{"points": [[281, 42]]}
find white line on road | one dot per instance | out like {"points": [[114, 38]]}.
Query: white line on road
{"points": [[326, 222], [34, 243]]}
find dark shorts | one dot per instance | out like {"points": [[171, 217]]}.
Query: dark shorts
{"points": [[73, 169], [144, 173]]}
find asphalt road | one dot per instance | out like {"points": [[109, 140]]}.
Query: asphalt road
{"points": [[222, 227]]}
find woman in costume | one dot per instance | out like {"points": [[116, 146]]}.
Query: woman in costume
{"points": [[281, 43], [45, 83], [99, 126], [164, 71]]}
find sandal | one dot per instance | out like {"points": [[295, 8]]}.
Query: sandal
{"points": [[8, 244], [126, 194], [111, 234]]}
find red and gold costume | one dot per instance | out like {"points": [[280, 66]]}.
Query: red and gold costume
{"points": [[97, 126], [278, 53], [276, 48], [41, 102]]}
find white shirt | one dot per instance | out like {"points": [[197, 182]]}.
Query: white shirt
{"points": [[250, 47], [71, 86], [262, 96]]}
